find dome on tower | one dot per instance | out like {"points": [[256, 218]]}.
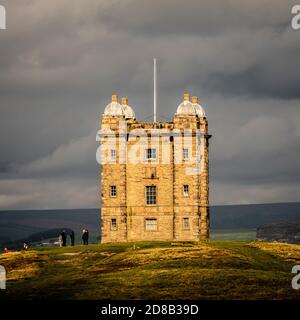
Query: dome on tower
{"points": [[127, 110], [186, 107], [198, 108], [113, 108]]}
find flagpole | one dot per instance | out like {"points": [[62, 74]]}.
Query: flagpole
{"points": [[155, 90]]}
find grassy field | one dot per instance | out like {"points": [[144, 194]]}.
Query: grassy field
{"points": [[233, 234], [156, 270]]}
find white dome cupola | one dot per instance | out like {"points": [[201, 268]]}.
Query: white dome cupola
{"points": [[113, 108], [198, 108], [186, 107], [127, 110]]}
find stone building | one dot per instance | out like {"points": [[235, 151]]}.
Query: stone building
{"points": [[154, 175]]}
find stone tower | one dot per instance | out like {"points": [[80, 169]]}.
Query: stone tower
{"points": [[154, 175]]}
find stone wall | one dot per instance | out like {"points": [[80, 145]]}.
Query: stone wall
{"points": [[173, 208]]}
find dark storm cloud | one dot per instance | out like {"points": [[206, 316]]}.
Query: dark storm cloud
{"points": [[264, 34], [61, 60], [193, 17]]}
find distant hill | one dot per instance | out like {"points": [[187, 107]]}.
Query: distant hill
{"points": [[39, 237], [21, 224], [281, 232], [252, 215]]}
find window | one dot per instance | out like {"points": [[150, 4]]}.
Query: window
{"points": [[150, 173], [113, 154], [186, 190], [186, 223], [150, 153], [185, 154], [151, 224], [113, 191], [113, 225], [151, 195]]}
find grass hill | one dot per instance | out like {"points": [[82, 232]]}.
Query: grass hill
{"points": [[156, 270]]}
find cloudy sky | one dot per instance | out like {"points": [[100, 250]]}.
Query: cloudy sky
{"points": [[60, 61]]}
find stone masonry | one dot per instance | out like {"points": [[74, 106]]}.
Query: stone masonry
{"points": [[178, 208]]}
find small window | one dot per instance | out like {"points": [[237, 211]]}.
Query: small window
{"points": [[153, 173], [150, 154], [113, 225], [186, 223], [113, 154], [151, 195], [185, 154], [150, 173], [113, 191], [151, 224], [186, 190]]}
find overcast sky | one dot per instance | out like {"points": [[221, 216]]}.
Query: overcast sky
{"points": [[61, 60]]}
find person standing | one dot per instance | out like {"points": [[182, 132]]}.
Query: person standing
{"points": [[85, 236], [60, 240], [64, 238], [72, 236]]}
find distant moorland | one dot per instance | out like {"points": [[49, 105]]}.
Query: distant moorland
{"points": [[227, 222]]}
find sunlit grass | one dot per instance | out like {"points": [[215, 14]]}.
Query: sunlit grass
{"points": [[153, 270]]}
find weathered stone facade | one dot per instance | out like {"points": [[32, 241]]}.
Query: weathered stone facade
{"points": [[177, 205]]}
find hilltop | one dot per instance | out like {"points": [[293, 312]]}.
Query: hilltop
{"points": [[156, 270]]}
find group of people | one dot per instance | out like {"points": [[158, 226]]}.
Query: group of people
{"points": [[63, 238]]}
